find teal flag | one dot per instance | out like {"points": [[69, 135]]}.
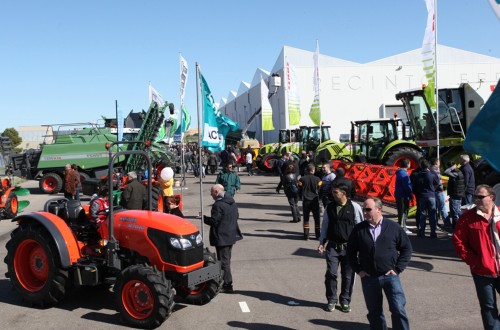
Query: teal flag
{"points": [[481, 139], [215, 125], [186, 118], [210, 131]]}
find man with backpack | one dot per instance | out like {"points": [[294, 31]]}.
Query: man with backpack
{"points": [[339, 219]]}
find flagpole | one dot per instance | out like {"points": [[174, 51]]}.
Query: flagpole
{"points": [[436, 79], [183, 182], [198, 91], [319, 103]]}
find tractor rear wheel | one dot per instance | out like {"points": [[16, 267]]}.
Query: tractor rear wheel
{"points": [[33, 265], [145, 297], [203, 292], [157, 202], [395, 156], [11, 206], [51, 183]]}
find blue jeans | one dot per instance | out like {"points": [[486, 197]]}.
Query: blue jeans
{"points": [[467, 199], [372, 290], [485, 289], [455, 211], [427, 205], [441, 207]]}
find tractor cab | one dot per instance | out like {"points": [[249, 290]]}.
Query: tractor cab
{"points": [[457, 107], [370, 138], [312, 136]]}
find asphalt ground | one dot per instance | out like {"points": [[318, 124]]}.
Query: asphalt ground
{"points": [[278, 277]]}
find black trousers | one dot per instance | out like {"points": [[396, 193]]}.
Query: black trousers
{"points": [[224, 255], [307, 208], [334, 259]]}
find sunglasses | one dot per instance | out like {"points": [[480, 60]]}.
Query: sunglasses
{"points": [[480, 196], [367, 209]]}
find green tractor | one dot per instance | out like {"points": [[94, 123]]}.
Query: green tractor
{"points": [[457, 108], [304, 138], [268, 153], [379, 141]]}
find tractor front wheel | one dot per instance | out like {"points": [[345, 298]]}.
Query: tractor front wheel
{"points": [[145, 297], [203, 292], [394, 157], [11, 206], [33, 265]]}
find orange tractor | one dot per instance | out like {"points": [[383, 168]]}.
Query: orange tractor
{"points": [[8, 200], [146, 256]]}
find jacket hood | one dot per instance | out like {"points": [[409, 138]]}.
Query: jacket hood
{"points": [[228, 199]]}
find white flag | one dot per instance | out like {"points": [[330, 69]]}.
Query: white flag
{"points": [[155, 96], [429, 52], [184, 77]]}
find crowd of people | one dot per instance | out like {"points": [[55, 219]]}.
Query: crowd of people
{"points": [[355, 238]]}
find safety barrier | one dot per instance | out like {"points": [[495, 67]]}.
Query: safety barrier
{"points": [[372, 180]]}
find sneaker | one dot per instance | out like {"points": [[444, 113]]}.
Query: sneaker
{"points": [[330, 307], [345, 308], [408, 231]]}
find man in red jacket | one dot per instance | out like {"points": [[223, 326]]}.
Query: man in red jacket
{"points": [[477, 242]]}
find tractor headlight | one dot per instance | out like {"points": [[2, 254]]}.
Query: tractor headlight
{"points": [[180, 243], [199, 239]]}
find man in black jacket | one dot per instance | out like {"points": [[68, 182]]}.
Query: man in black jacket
{"points": [[456, 191], [224, 231], [470, 183], [379, 250], [339, 219], [309, 186]]}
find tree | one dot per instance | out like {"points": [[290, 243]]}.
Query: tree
{"points": [[14, 137]]}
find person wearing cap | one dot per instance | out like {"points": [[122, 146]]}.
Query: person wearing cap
{"points": [[134, 196]]}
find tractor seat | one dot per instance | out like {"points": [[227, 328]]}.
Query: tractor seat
{"points": [[76, 213]]}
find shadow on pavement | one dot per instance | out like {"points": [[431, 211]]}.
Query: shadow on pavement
{"points": [[280, 299], [256, 326], [341, 325], [280, 234]]}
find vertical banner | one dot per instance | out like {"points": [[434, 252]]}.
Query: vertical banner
{"points": [[429, 54], [315, 113], [293, 96], [119, 122], [183, 77], [210, 135], [267, 110]]}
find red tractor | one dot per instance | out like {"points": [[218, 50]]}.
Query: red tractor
{"points": [[146, 256], [8, 200]]}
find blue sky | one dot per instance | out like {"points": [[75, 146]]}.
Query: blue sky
{"points": [[68, 61]]}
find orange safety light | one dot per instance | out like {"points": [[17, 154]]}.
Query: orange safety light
{"points": [[107, 146], [148, 143]]}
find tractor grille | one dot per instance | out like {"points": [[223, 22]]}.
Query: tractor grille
{"points": [[172, 255]]}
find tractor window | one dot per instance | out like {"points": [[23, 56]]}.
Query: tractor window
{"points": [[423, 120], [325, 132]]}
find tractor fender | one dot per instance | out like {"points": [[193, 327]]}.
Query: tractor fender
{"points": [[65, 241], [399, 144]]}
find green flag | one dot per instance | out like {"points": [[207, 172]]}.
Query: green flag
{"points": [[315, 113]]}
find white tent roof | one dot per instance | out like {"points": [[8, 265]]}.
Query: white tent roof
{"points": [[256, 77], [244, 86]]}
